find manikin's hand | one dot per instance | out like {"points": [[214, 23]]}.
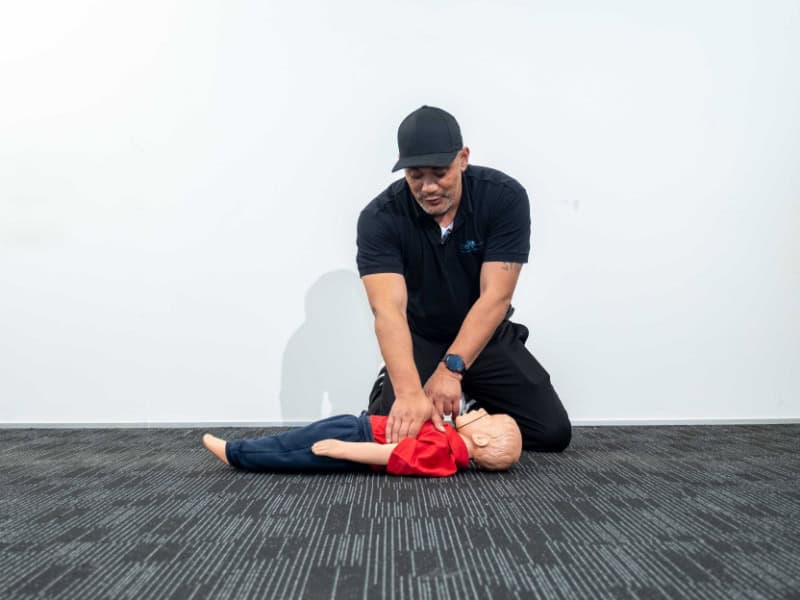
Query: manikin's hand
{"points": [[331, 448], [408, 413], [444, 390]]}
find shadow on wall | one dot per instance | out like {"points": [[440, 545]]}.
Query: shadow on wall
{"points": [[331, 361]]}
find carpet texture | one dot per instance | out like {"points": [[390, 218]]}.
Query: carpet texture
{"points": [[625, 512]]}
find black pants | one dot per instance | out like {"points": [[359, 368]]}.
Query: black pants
{"points": [[505, 378]]}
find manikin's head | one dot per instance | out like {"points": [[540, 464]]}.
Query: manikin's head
{"points": [[494, 441]]}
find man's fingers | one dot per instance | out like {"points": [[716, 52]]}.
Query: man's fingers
{"points": [[447, 408], [396, 432], [390, 433], [437, 421], [413, 428], [403, 431], [438, 406]]}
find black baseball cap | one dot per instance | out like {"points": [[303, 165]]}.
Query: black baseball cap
{"points": [[428, 137]]}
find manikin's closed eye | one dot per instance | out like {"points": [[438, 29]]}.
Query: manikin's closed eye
{"points": [[471, 422]]}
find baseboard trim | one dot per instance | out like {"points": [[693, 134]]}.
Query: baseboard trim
{"points": [[661, 422], [155, 425], [263, 424]]}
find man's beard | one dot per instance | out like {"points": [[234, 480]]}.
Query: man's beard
{"points": [[436, 211]]}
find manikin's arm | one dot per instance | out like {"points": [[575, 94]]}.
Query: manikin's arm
{"points": [[368, 453], [498, 280], [388, 297]]}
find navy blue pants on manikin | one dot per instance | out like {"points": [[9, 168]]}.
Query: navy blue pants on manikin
{"points": [[291, 450]]}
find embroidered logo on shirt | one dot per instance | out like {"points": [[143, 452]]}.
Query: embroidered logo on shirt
{"points": [[469, 247]]}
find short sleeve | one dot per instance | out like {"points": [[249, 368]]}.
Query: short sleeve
{"points": [[509, 233], [379, 249], [422, 456]]}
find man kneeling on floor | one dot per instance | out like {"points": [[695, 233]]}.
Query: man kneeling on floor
{"points": [[347, 442]]}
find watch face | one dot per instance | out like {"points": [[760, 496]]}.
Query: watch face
{"points": [[454, 362]]}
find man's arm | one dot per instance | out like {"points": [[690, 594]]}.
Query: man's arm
{"points": [[368, 453], [498, 281], [388, 297]]}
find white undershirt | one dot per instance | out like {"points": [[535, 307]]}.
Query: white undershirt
{"points": [[446, 230]]}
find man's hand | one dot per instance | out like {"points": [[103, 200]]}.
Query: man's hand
{"points": [[408, 413], [444, 390]]}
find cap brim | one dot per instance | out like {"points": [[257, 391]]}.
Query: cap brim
{"points": [[426, 160]]}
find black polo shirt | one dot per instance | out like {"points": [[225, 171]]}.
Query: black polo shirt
{"points": [[395, 235]]}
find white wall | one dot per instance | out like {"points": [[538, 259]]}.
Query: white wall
{"points": [[180, 182]]}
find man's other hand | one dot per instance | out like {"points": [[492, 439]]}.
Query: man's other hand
{"points": [[444, 391], [408, 413]]}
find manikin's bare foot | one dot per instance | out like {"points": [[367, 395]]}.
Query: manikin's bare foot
{"points": [[216, 446]]}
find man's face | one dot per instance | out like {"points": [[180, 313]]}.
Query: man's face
{"points": [[437, 190]]}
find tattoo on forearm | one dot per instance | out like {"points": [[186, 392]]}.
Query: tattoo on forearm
{"points": [[511, 266]]}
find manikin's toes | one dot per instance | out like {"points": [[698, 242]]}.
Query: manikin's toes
{"points": [[216, 446]]}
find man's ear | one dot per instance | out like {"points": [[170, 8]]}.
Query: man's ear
{"points": [[480, 440], [464, 158]]}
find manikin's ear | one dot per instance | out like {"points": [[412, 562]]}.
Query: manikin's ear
{"points": [[480, 440]]}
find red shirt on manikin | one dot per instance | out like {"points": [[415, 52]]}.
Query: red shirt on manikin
{"points": [[432, 453]]}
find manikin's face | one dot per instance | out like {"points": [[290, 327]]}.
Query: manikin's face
{"points": [[464, 420], [437, 190]]}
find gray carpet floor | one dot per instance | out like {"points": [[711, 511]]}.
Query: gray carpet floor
{"points": [[625, 512]]}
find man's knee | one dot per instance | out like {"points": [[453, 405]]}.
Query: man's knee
{"points": [[554, 437], [381, 397]]}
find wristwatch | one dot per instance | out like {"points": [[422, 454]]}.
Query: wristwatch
{"points": [[454, 363]]}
